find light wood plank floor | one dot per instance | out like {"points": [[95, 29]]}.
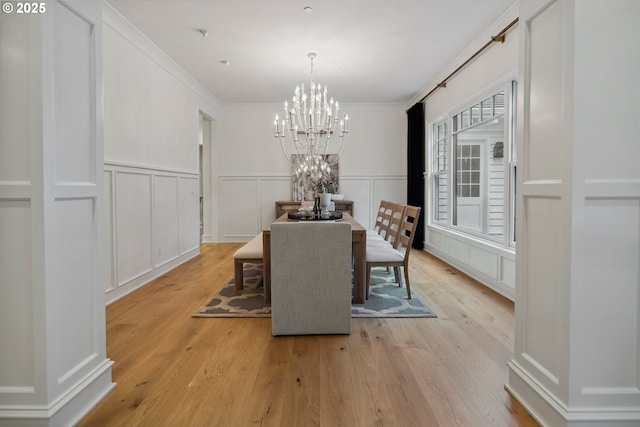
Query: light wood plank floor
{"points": [[174, 370]]}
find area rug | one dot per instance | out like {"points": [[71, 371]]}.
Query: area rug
{"points": [[386, 299]]}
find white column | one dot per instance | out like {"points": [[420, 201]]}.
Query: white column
{"points": [[53, 364], [577, 350]]}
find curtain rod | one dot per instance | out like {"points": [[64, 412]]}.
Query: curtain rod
{"points": [[500, 37]]}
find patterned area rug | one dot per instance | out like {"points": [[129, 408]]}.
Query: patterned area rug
{"points": [[386, 299]]}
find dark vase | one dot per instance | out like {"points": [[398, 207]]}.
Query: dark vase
{"points": [[316, 206]]}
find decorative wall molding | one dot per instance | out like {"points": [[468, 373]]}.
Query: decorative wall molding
{"points": [[15, 190], [546, 409], [577, 220], [606, 188], [54, 366], [247, 203], [149, 168], [492, 266], [154, 217]]}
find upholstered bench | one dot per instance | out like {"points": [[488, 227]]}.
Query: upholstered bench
{"points": [[250, 252]]}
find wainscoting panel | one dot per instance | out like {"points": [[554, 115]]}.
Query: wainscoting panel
{"points": [[152, 224], [546, 119], [484, 261], [239, 208], [165, 219], [109, 231], [188, 214], [434, 238], [508, 272], [247, 203], [16, 120], [272, 189], [542, 305], [610, 302], [73, 76], [16, 318], [490, 265], [391, 189], [73, 280], [133, 225], [360, 190]]}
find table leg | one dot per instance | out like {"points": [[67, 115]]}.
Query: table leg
{"points": [[359, 269], [266, 266]]}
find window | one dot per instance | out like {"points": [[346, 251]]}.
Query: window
{"points": [[480, 199], [439, 181], [468, 171], [479, 176]]}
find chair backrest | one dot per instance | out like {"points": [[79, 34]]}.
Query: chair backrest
{"points": [[383, 218], [408, 231], [395, 223], [310, 278]]}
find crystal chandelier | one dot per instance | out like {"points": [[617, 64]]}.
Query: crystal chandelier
{"points": [[308, 126]]}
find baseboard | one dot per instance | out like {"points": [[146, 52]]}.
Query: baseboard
{"points": [[208, 238], [69, 409], [547, 410], [534, 397], [115, 294]]}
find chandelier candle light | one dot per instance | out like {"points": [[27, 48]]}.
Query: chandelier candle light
{"points": [[315, 117]]}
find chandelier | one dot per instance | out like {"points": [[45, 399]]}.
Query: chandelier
{"points": [[308, 126]]}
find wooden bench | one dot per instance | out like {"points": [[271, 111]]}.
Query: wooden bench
{"points": [[250, 252]]}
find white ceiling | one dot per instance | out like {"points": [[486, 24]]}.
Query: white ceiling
{"points": [[368, 50]]}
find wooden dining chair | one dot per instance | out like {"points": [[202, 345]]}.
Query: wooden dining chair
{"points": [[395, 224], [398, 256], [390, 238], [383, 218]]}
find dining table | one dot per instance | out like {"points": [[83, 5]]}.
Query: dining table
{"points": [[359, 245]]}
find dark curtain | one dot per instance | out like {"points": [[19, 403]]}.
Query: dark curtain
{"points": [[415, 167]]}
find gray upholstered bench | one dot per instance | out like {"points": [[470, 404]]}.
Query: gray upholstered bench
{"points": [[250, 252]]}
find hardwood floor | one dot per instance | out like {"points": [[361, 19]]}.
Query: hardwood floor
{"points": [[174, 370]]}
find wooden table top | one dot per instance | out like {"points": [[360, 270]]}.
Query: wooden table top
{"points": [[355, 225]]}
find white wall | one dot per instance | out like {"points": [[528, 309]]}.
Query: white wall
{"points": [[151, 174], [151, 137], [577, 350], [253, 174], [491, 264]]}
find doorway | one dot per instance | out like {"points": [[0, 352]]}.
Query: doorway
{"points": [[205, 163], [470, 194]]}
